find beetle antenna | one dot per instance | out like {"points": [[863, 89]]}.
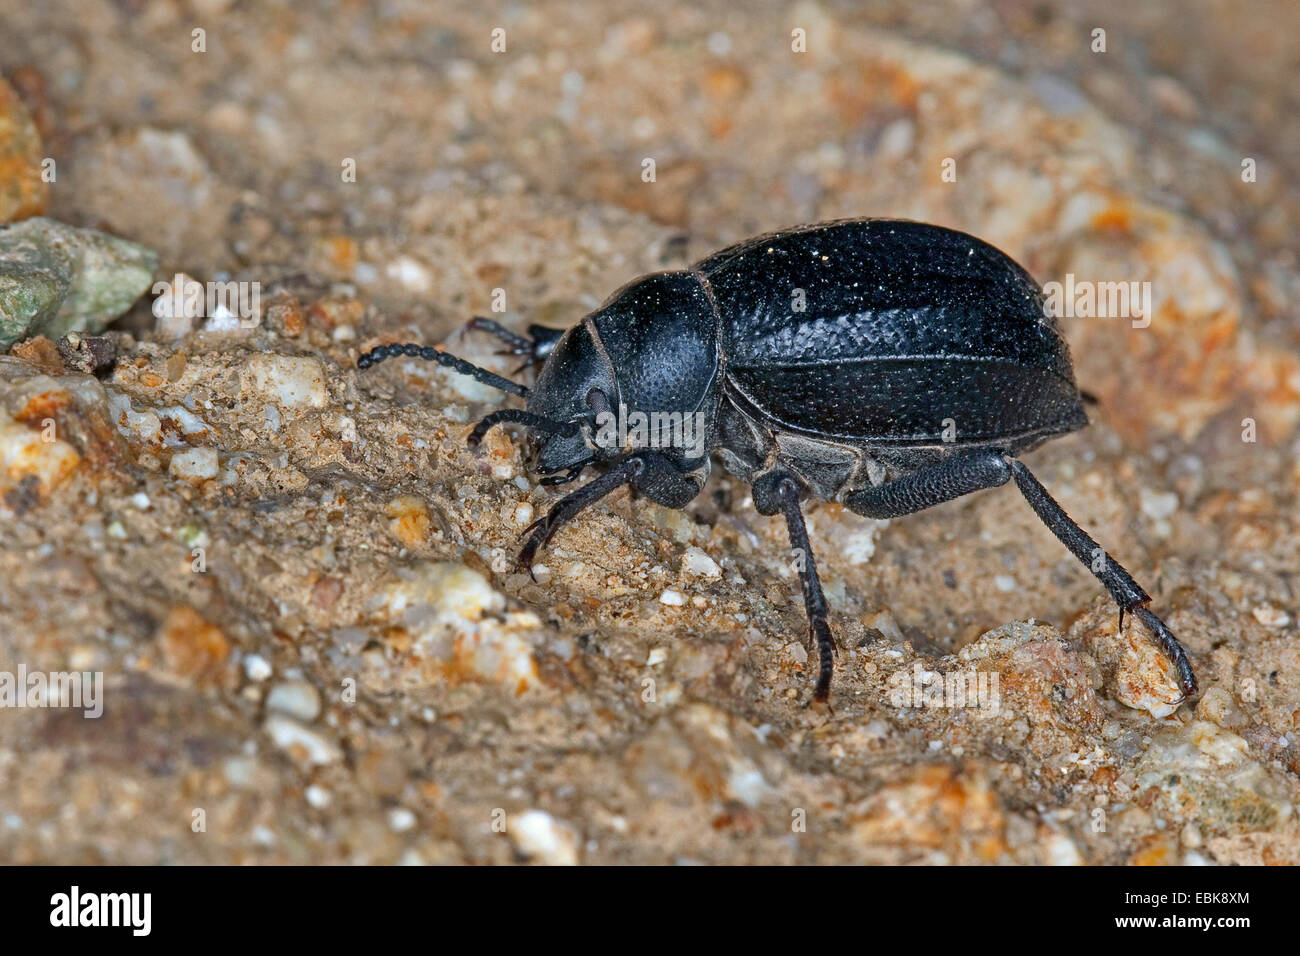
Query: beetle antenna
{"points": [[432, 354], [518, 415]]}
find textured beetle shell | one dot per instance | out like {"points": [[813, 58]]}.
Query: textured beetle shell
{"points": [[904, 325], [660, 334]]}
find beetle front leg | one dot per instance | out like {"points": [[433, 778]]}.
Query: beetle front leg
{"points": [[814, 601], [541, 530], [535, 346], [648, 472]]}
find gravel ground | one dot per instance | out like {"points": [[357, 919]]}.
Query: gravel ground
{"points": [[297, 583]]}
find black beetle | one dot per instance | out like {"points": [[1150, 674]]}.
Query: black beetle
{"points": [[886, 364]]}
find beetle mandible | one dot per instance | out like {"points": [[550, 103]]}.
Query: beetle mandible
{"points": [[886, 364]]}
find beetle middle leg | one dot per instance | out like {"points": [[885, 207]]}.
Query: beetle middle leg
{"points": [[778, 491]]}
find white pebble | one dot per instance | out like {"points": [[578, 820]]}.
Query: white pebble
{"points": [[1158, 505], [452, 591], [719, 43], [296, 698], [1061, 851], [672, 598], [288, 734], [400, 819], [411, 273], [1270, 616], [537, 834], [197, 463], [256, 667], [699, 564], [292, 381]]}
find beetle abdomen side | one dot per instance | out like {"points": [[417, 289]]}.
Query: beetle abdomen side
{"points": [[911, 401]]}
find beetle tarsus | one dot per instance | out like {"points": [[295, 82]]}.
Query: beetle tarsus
{"points": [[565, 477], [1172, 648], [820, 634]]}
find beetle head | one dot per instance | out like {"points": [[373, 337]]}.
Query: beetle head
{"points": [[640, 372]]}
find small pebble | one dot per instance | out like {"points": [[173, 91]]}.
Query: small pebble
{"points": [[289, 735], [256, 667], [1158, 505], [1270, 616], [695, 562], [400, 819], [296, 698], [539, 835], [196, 463]]}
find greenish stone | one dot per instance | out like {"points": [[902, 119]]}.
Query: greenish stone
{"points": [[56, 278]]}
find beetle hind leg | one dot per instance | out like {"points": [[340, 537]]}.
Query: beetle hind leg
{"points": [[965, 472], [951, 477], [1126, 592]]}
